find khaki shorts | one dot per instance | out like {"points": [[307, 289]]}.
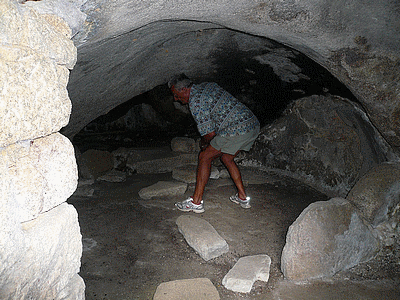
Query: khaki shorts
{"points": [[232, 144]]}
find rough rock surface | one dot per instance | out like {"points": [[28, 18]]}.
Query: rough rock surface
{"points": [[40, 241], [326, 238], [184, 145], [37, 175], [246, 271], [326, 141], [42, 256], [358, 43], [95, 163], [69, 11], [162, 165], [35, 55], [193, 289], [75, 289], [376, 194], [202, 237], [163, 188]]}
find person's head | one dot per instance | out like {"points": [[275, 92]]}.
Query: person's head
{"points": [[180, 86]]}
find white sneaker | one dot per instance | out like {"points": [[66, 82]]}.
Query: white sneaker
{"points": [[188, 205], [243, 203]]}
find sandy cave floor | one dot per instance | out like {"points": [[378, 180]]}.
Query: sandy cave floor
{"points": [[132, 245]]}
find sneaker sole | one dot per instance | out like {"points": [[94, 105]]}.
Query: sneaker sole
{"points": [[189, 210], [241, 204]]}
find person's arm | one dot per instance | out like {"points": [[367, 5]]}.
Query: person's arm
{"points": [[206, 139]]}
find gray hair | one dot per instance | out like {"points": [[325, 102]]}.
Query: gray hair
{"points": [[179, 82]]}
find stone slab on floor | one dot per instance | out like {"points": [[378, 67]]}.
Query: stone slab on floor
{"points": [[202, 237], [162, 165], [187, 173], [246, 271], [162, 189], [113, 176], [187, 289]]}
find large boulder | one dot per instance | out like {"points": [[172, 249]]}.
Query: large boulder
{"points": [[94, 163], [326, 238], [326, 141], [377, 197], [377, 193]]}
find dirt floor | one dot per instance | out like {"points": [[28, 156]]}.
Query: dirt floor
{"points": [[132, 245]]}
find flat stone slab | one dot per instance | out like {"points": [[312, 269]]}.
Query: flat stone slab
{"points": [[246, 271], [187, 289], [163, 188], [202, 237], [162, 165], [188, 173], [113, 176]]}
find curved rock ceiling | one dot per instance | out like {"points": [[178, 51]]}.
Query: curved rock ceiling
{"points": [[126, 48]]}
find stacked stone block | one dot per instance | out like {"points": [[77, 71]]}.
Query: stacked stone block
{"points": [[40, 240]]}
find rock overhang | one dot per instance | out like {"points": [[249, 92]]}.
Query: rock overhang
{"points": [[357, 42]]}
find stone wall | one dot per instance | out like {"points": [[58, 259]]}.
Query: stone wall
{"points": [[40, 240]]}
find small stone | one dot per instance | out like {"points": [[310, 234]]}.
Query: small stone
{"points": [[202, 237], [247, 271], [113, 176], [84, 182], [187, 289], [162, 189]]}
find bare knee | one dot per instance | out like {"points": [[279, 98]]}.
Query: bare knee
{"points": [[227, 159], [208, 156]]}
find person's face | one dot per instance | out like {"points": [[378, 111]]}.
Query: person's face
{"points": [[182, 95]]}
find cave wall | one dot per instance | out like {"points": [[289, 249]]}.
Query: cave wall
{"points": [[326, 141], [40, 240], [128, 47]]}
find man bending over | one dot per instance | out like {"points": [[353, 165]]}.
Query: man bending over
{"points": [[226, 127]]}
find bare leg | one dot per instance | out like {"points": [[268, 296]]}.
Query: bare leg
{"points": [[228, 160], [203, 171]]}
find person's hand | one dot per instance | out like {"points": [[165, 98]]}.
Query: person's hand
{"points": [[206, 139], [203, 143]]}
